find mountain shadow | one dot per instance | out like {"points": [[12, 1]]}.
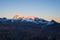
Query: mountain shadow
{"points": [[29, 29]]}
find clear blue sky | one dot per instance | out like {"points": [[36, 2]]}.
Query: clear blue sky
{"points": [[39, 8]]}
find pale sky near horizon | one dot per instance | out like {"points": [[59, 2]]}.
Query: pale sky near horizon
{"points": [[39, 8]]}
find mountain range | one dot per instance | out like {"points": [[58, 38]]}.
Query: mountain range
{"points": [[33, 17], [29, 28]]}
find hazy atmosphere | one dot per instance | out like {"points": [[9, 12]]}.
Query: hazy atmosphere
{"points": [[39, 8]]}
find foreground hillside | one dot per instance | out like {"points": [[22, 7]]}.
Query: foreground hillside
{"points": [[29, 29]]}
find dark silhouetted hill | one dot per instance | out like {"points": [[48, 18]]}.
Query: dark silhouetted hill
{"points": [[29, 29]]}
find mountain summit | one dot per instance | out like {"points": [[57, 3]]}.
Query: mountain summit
{"points": [[18, 16], [23, 17]]}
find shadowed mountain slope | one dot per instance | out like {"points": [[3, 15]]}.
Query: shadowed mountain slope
{"points": [[29, 29]]}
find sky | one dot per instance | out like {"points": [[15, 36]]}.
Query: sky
{"points": [[39, 8]]}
